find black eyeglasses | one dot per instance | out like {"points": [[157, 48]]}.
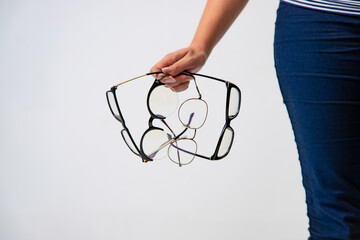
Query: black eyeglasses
{"points": [[158, 142]]}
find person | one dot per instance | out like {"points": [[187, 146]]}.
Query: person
{"points": [[317, 61]]}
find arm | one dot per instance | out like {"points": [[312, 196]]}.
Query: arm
{"points": [[216, 19]]}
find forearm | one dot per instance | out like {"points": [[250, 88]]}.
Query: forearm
{"points": [[216, 19]]}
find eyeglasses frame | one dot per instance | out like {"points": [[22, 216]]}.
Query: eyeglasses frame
{"points": [[157, 83]]}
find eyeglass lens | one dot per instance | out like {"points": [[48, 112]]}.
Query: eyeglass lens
{"points": [[112, 104], [155, 143], [193, 113], [234, 103], [163, 101], [128, 141], [182, 151], [226, 142]]}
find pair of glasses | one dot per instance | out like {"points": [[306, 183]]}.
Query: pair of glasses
{"points": [[160, 141], [156, 142]]}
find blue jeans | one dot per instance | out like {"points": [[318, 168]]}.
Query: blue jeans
{"points": [[317, 60]]}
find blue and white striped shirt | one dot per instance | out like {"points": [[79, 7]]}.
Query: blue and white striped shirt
{"points": [[351, 7]]}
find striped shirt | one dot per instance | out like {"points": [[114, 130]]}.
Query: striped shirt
{"points": [[351, 7]]}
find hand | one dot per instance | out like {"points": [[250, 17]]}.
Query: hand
{"points": [[189, 59]]}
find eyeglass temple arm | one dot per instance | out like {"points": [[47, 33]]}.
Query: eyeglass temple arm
{"points": [[195, 154], [192, 76], [131, 79], [183, 73]]}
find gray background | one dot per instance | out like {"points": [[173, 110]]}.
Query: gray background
{"points": [[65, 172]]}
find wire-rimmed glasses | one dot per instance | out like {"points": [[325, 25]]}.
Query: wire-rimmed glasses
{"points": [[160, 141]]}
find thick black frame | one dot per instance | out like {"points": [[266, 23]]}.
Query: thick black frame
{"points": [[157, 83]]}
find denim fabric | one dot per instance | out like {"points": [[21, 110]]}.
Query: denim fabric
{"points": [[317, 60]]}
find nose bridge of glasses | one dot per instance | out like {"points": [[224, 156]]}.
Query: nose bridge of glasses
{"points": [[162, 120], [150, 122]]}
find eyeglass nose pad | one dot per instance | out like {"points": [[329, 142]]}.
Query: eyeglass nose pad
{"points": [[190, 118]]}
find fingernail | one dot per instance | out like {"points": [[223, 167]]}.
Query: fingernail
{"points": [[168, 80], [166, 70]]}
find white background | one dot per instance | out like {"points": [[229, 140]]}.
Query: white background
{"points": [[65, 172]]}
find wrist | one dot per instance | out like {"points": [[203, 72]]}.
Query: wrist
{"points": [[200, 49]]}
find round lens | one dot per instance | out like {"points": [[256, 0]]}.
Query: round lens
{"points": [[163, 101], [154, 144], [234, 103], [193, 113], [182, 151], [226, 142]]}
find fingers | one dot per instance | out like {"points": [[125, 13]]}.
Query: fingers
{"points": [[169, 60], [179, 88], [185, 59], [181, 65], [178, 83], [173, 81]]}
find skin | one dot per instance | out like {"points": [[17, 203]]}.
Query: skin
{"points": [[216, 19]]}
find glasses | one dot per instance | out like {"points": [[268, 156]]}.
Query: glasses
{"points": [[158, 142]]}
